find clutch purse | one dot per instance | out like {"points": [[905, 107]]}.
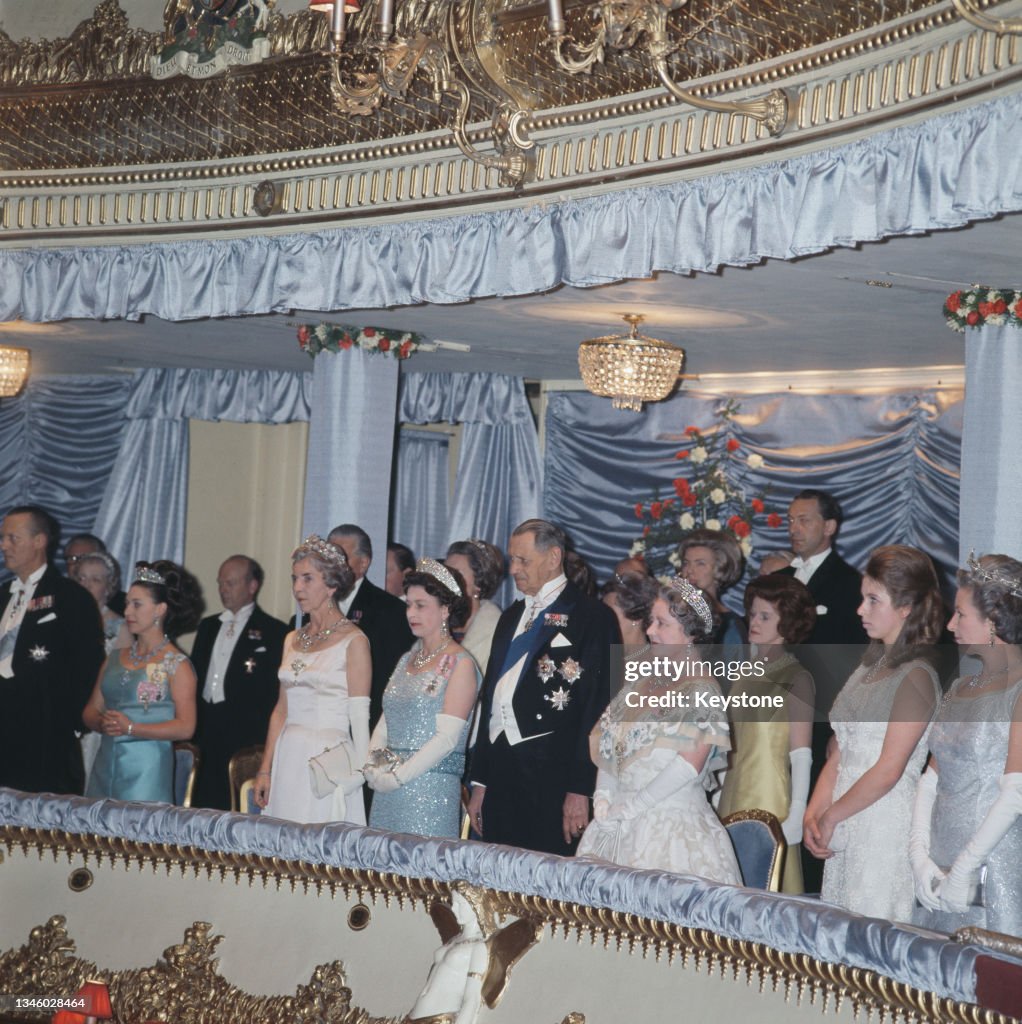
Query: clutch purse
{"points": [[331, 768]]}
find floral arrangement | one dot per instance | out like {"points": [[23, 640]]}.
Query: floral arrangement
{"points": [[710, 497], [980, 305], [340, 338]]}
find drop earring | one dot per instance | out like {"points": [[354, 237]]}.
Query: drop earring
{"points": [[444, 631]]}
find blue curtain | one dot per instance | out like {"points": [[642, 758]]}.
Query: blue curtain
{"points": [[59, 440], [142, 515], [891, 459], [421, 486], [939, 173], [499, 476]]}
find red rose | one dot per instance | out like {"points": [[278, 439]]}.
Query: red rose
{"points": [[645, 531], [370, 332], [733, 445], [757, 505], [405, 350], [732, 521], [742, 528], [1000, 306], [1018, 309], [681, 487], [303, 335], [954, 300], [985, 308], [638, 510], [656, 509], [692, 431], [689, 500], [774, 520], [384, 345], [681, 455], [973, 318], [345, 343]]}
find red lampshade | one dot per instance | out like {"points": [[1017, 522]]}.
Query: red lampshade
{"points": [[97, 999], [326, 6], [68, 1017]]}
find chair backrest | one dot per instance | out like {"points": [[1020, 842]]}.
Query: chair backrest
{"points": [[243, 767], [186, 767], [759, 846], [246, 798]]}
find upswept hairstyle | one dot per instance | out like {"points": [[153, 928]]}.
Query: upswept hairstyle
{"points": [[635, 593], [996, 583], [180, 592], [337, 574], [110, 567], [792, 601], [486, 561], [458, 604], [693, 624]]}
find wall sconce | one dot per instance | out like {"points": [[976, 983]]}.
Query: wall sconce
{"points": [[398, 61], [627, 24]]}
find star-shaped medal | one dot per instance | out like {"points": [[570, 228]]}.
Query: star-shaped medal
{"points": [[559, 698], [38, 653], [570, 670], [545, 668]]}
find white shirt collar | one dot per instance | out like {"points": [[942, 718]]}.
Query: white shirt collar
{"points": [[346, 604], [548, 592], [811, 564], [241, 616], [31, 582]]}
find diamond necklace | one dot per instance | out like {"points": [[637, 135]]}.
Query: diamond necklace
{"points": [[422, 659], [306, 640], [136, 658]]}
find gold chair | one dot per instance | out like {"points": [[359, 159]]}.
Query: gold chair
{"points": [[246, 798], [759, 846], [186, 767], [241, 769]]}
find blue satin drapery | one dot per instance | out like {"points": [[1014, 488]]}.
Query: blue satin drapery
{"points": [[421, 487], [890, 458]]}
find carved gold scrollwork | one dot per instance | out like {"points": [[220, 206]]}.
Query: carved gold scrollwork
{"points": [[972, 14]]}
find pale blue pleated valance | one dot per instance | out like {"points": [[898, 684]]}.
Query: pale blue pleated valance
{"points": [[940, 173], [492, 398], [793, 924]]}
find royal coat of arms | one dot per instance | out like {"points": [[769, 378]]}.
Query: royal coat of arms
{"points": [[204, 37]]}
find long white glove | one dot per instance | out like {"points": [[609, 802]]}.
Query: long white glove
{"points": [[801, 762], [358, 713], [927, 875], [954, 890], [677, 774], [603, 795], [433, 751], [378, 740]]}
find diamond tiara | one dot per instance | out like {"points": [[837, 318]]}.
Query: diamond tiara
{"points": [[693, 597], [439, 572], [143, 574], [989, 575], [314, 543]]}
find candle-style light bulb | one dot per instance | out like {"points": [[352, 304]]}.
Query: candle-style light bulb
{"points": [[386, 19], [337, 25], [555, 19]]}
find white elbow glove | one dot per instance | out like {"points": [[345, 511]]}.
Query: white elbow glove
{"points": [[801, 763], [926, 874], [449, 729], [677, 774], [954, 891], [378, 740], [358, 713]]}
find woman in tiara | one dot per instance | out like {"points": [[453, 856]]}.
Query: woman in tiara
{"points": [[966, 839], [482, 567], [656, 764], [319, 731], [417, 753], [144, 699]]}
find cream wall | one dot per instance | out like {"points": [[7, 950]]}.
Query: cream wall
{"points": [[246, 483]]}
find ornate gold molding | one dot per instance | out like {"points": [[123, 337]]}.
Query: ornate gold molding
{"points": [[799, 975], [970, 11]]}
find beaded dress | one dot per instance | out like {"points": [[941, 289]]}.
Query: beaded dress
{"points": [[126, 767], [969, 741], [870, 871], [429, 805]]}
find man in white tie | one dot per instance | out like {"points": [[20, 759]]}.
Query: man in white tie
{"points": [[546, 685], [51, 649], [236, 656]]}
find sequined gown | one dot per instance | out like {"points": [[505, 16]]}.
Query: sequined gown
{"points": [[429, 805], [316, 684], [681, 833], [870, 871], [126, 767], [969, 741]]}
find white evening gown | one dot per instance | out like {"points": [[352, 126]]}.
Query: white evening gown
{"points": [[870, 871], [317, 719]]}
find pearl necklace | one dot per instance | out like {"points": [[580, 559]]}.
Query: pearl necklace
{"points": [[306, 640], [422, 659]]}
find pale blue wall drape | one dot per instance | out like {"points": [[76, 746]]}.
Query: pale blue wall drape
{"points": [[939, 173], [421, 492], [991, 497], [142, 515], [499, 477], [351, 447], [59, 441], [890, 458]]}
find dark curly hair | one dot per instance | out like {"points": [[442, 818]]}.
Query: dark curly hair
{"points": [[180, 592], [791, 599], [486, 561], [458, 604], [635, 593], [993, 598]]}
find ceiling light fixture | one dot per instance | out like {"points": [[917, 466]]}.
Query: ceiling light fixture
{"points": [[630, 369], [14, 364]]}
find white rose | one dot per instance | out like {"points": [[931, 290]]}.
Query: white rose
{"points": [[746, 545], [754, 461], [320, 332], [674, 558], [369, 343], [637, 548], [698, 454], [687, 521], [993, 296], [717, 496], [970, 299], [996, 319], [712, 524]]}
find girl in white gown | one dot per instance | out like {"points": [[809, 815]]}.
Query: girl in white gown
{"points": [[324, 698], [858, 816], [650, 808]]}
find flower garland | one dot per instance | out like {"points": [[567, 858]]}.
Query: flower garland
{"points": [[340, 338], [707, 499], [981, 305]]}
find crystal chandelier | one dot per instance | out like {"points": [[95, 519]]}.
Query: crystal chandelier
{"points": [[13, 370], [630, 369]]}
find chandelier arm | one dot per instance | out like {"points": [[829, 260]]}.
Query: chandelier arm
{"points": [[589, 53], [358, 101], [1002, 26]]}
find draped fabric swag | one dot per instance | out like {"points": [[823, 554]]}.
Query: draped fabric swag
{"points": [[421, 488], [891, 459]]}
